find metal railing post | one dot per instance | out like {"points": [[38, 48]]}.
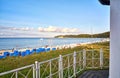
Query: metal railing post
{"points": [[50, 69], [33, 71], [37, 69], [92, 58], [68, 66], [101, 58], [74, 63], [16, 74], [84, 59], [60, 67]]}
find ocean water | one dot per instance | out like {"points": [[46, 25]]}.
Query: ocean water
{"points": [[10, 43]]}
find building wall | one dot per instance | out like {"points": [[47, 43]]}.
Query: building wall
{"points": [[115, 39]]}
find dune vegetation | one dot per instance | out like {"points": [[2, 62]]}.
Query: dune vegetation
{"points": [[10, 63], [100, 35]]}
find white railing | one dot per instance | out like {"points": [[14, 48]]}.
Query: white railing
{"points": [[19, 72], [66, 66]]}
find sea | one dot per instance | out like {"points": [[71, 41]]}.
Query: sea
{"points": [[18, 43]]}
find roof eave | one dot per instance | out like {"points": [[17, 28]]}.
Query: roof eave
{"points": [[105, 2]]}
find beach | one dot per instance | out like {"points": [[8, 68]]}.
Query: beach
{"points": [[56, 46]]}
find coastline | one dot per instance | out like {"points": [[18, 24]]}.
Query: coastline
{"points": [[57, 47]]}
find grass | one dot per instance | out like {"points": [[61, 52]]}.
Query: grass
{"points": [[10, 63]]}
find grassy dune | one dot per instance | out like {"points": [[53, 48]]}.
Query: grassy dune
{"points": [[10, 63]]}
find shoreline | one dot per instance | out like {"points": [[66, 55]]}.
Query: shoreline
{"points": [[57, 47]]}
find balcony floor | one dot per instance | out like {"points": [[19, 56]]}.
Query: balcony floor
{"points": [[95, 74]]}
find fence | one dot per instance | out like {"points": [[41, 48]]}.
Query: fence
{"points": [[66, 66]]}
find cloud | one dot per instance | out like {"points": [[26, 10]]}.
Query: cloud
{"points": [[16, 28], [42, 29], [1, 33], [58, 29], [23, 28], [5, 28], [49, 31]]}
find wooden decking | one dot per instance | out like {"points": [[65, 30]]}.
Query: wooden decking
{"points": [[95, 74]]}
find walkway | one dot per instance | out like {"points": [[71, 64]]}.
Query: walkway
{"points": [[95, 74]]}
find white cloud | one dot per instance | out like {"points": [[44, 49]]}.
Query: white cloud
{"points": [[22, 28], [43, 29], [40, 29], [49, 31], [16, 28], [58, 29], [1, 33], [74, 30]]}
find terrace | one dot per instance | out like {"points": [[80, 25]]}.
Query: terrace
{"points": [[114, 48]]}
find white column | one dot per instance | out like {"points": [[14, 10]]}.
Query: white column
{"points": [[115, 39]]}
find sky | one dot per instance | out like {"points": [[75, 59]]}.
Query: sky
{"points": [[48, 18]]}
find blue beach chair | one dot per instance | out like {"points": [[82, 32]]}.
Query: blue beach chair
{"points": [[33, 51], [47, 49], [19, 52], [37, 50], [16, 53], [1, 57], [6, 54], [27, 52], [11, 54], [23, 53], [40, 50], [53, 49], [43, 50]]}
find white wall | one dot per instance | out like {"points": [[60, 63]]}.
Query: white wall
{"points": [[115, 39]]}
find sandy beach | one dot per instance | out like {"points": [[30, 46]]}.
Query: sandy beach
{"points": [[58, 46]]}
